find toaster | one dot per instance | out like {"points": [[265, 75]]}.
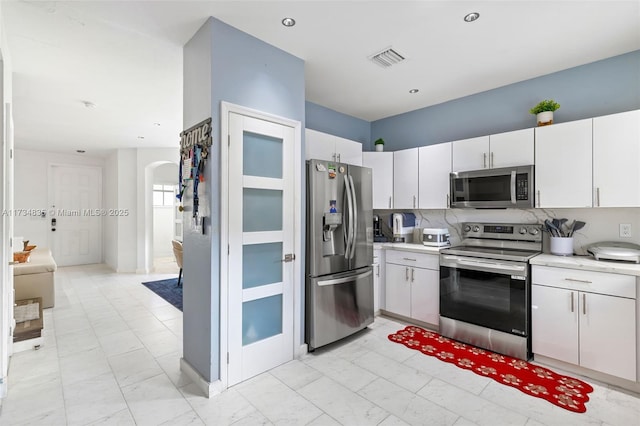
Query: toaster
{"points": [[436, 237]]}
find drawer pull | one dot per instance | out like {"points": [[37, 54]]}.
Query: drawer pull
{"points": [[413, 260], [584, 304], [578, 281]]}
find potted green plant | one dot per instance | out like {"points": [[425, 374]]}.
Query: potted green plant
{"points": [[379, 143], [544, 111]]}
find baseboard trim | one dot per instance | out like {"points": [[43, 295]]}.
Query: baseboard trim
{"points": [[208, 388], [303, 349]]}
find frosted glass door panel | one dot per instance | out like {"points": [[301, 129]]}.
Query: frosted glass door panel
{"points": [[262, 156], [261, 264], [261, 319], [261, 210]]}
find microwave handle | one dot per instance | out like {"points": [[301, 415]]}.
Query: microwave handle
{"points": [[513, 187]]}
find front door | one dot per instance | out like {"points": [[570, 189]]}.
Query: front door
{"points": [[261, 236], [76, 222]]}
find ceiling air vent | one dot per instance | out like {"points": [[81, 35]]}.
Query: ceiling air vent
{"points": [[387, 57]]}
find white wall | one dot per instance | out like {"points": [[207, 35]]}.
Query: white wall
{"points": [[127, 199], [32, 189], [166, 174], [110, 201], [163, 217]]}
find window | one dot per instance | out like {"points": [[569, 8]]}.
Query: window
{"points": [[164, 195]]}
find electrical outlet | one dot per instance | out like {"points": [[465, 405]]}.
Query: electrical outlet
{"points": [[625, 230]]}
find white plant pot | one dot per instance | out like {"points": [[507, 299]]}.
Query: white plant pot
{"points": [[379, 147], [544, 118]]}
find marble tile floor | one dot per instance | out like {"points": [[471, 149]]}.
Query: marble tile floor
{"points": [[111, 357]]}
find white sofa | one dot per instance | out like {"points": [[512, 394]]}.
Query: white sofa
{"points": [[36, 278]]}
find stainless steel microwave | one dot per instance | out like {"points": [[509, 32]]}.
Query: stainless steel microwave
{"points": [[493, 188]]}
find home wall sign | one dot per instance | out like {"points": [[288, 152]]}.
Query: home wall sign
{"points": [[194, 150]]}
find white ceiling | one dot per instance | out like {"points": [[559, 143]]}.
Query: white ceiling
{"points": [[126, 57]]}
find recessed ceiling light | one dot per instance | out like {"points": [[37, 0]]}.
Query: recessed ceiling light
{"points": [[470, 17], [80, 151], [140, 137], [88, 104], [156, 124], [414, 91], [288, 22]]}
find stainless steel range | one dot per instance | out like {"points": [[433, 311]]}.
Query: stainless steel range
{"points": [[485, 287]]}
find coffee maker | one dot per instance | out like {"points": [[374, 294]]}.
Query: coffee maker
{"points": [[378, 236]]}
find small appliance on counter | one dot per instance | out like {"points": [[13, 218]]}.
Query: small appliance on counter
{"points": [[615, 250], [403, 225], [378, 236], [436, 237]]}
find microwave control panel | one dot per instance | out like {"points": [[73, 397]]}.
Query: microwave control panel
{"points": [[522, 187]]}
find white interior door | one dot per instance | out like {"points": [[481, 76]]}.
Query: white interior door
{"points": [[261, 235], [76, 194]]}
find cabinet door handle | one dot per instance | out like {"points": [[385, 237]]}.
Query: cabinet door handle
{"points": [[538, 198], [389, 201], [484, 160], [572, 308], [414, 201], [491, 161], [378, 272], [333, 156], [448, 201], [584, 304], [597, 197], [413, 272], [577, 281], [406, 273], [338, 158], [408, 258]]}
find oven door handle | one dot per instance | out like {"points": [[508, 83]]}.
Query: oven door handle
{"points": [[480, 265]]}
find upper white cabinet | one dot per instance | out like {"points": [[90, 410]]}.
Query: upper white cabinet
{"points": [[381, 164], [616, 160], [405, 179], [323, 146], [433, 175], [563, 154], [511, 149], [471, 154]]}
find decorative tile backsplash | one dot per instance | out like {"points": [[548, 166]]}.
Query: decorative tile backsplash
{"points": [[602, 224]]}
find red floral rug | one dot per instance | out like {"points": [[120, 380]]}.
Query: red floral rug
{"points": [[565, 392]]}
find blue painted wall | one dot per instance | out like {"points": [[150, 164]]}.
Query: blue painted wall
{"points": [[599, 88], [245, 71], [336, 123]]}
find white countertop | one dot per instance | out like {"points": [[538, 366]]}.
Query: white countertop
{"points": [[587, 263], [420, 248]]}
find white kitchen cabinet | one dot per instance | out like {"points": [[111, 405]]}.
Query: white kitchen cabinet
{"points": [[563, 163], [491, 152], [616, 160], [433, 176], [378, 280], [511, 149], [405, 179], [585, 318], [381, 164], [323, 146], [412, 285], [471, 154]]}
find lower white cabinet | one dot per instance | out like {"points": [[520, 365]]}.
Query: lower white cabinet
{"points": [[585, 318], [412, 285]]}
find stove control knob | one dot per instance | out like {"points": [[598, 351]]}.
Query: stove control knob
{"points": [[533, 231], [523, 230], [467, 228], [476, 228]]}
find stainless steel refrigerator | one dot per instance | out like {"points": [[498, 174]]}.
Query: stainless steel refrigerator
{"points": [[339, 275]]}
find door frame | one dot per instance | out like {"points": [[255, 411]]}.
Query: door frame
{"points": [[299, 347]]}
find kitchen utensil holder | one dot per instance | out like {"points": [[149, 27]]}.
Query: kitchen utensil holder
{"points": [[561, 246]]}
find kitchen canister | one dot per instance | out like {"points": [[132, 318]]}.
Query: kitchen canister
{"points": [[561, 246]]}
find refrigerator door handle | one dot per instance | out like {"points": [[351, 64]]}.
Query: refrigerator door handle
{"points": [[349, 225], [355, 217], [345, 279]]}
